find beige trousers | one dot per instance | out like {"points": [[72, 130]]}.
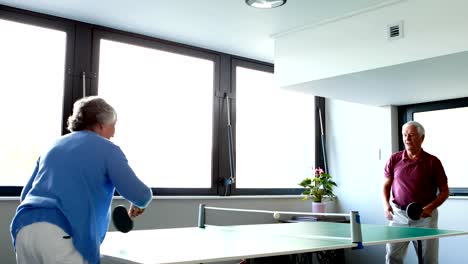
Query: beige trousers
{"points": [[396, 252], [45, 243]]}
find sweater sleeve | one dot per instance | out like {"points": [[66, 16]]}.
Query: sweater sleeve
{"points": [[28, 185], [125, 180]]}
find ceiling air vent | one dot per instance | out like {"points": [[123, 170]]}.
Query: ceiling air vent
{"points": [[395, 30]]}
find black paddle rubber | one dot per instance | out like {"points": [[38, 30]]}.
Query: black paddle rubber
{"points": [[414, 210], [121, 219]]}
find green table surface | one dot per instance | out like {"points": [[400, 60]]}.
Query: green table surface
{"points": [[223, 243]]}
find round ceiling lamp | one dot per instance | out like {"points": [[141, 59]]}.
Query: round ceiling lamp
{"points": [[265, 3]]}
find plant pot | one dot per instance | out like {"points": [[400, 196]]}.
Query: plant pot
{"points": [[319, 207]]}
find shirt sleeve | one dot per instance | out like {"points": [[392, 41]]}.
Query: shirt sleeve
{"points": [[388, 170], [441, 177], [125, 180]]}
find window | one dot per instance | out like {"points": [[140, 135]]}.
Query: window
{"points": [[170, 102], [32, 67], [445, 127], [275, 127], [442, 126], [164, 102]]}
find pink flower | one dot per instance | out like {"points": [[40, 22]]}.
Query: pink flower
{"points": [[318, 171]]}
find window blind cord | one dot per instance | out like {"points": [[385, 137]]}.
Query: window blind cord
{"points": [[84, 84], [228, 182], [324, 152]]}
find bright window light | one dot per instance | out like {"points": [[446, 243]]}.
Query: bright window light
{"points": [[164, 103], [275, 136], [32, 66], [440, 142]]}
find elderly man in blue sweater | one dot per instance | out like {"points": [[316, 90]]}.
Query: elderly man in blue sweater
{"points": [[64, 212]]}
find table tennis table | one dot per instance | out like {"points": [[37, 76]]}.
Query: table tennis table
{"points": [[225, 243]]}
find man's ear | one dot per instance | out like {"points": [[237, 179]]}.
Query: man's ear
{"points": [[422, 138], [98, 128]]}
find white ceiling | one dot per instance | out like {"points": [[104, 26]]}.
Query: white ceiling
{"points": [[228, 26], [434, 79], [232, 27], [354, 60]]}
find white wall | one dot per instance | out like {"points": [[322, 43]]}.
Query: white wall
{"points": [[7, 209], [359, 41], [351, 58], [355, 134]]}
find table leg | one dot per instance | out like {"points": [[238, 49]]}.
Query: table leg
{"points": [[420, 257]]}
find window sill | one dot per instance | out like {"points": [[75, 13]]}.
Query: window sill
{"points": [[232, 197]]}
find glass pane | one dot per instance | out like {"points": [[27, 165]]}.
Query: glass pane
{"points": [[164, 103], [445, 130], [32, 61], [275, 133]]}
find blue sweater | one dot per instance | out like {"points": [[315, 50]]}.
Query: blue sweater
{"points": [[72, 186]]}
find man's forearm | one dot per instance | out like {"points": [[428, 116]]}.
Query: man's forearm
{"points": [[439, 200], [386, 193]]}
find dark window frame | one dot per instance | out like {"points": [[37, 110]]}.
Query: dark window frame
{"points": [[232, 189], [54, 23], [83, 56], [146, 42], [406, 113]]}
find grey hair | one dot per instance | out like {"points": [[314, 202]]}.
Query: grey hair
{"points": [[90, 111], [418, 126]]}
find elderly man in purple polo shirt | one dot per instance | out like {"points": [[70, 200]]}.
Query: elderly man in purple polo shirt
{"points": [[413, 175]]}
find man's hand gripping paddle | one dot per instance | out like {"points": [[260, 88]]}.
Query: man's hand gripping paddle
{"points": [[121, 219], [414, 210]]}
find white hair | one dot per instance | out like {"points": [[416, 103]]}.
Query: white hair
{"points": [[418, 126], [89, 111]]}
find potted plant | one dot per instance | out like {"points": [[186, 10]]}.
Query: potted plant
{"points": [[317, 187]]}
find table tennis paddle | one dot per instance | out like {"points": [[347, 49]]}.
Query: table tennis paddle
{"points": [[121, 219], [414, 210]]}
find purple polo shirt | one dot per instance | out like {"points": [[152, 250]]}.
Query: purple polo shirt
{"points": [[415, 180]]}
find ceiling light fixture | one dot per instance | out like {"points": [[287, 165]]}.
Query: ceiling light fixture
{"points": [[265, 3]]}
